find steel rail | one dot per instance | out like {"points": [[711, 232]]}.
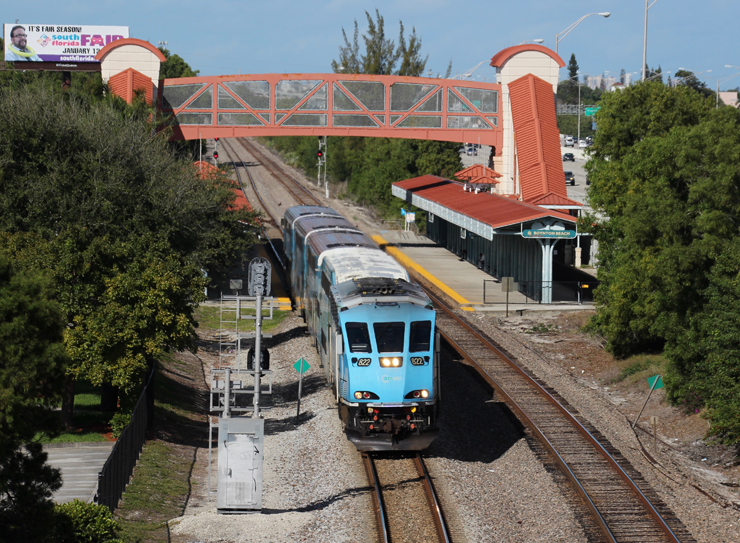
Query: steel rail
{"points": [[277, 172], [264, 207], [601, 521], [382, 518], [275, 222], [439, 518]]}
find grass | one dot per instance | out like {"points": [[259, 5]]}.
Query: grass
{"points": [[161, 484], [541, 328], [91, 424], [639, 368], [157, 493], [210, 317]]}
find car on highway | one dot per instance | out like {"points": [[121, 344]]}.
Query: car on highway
{"points": [[472, 151], [570, 178], [582, 144], [569, 141], [569, 156]]}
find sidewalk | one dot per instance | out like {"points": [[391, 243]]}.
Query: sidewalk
{"points": [[80, 464]]}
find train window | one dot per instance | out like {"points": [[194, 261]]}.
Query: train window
{"points": [[389, 336], [358, 337], [421, 333]]}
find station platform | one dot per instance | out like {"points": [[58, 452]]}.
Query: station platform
{"points": [[458, 281]]}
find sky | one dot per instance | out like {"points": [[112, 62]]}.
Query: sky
{"points": [[220, 37]]}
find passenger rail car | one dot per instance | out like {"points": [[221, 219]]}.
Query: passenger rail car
{"points": [[374, 330]]}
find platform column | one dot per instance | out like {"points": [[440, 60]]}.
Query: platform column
{"points": [[547, 248]]}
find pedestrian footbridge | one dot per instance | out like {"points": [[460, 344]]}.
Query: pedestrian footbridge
{"points": [[333, 105], [515, 116]]}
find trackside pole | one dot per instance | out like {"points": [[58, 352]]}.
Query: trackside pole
{"points": [[300, 366], [257, 357], [300, 391], [656, 381]]}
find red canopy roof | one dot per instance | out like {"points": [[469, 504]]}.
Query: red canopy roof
{"points": [[207, 170], [478, 173], [493, 209]]}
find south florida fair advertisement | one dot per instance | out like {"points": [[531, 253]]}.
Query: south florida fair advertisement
{"points": [[58, 43]]}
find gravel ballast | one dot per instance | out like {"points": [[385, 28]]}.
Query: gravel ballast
{"points": [[494, 482]]}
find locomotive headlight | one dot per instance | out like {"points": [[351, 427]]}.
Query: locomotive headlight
{"points": [[424, 393], [358, 395], [385, 362], [396, 362]]}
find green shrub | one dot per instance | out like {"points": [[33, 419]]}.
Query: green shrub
{"points": [[118, 422], [80, 522], [541, 328], [637, 365]]}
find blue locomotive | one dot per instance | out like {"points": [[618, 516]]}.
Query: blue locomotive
{"points": [[374, 330]]}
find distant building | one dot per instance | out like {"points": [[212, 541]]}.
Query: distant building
{"points": [[729, 98], [593, 82]]}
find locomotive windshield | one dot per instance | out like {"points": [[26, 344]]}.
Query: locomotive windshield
{"points": [[389, 336], [358, 337], [421, 333]]}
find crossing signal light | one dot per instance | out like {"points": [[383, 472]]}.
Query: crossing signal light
{"points": [[215, 155], [216, 140], [320, 154]]}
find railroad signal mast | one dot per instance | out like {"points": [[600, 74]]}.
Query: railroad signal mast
{"points": [[321, 155], [240, 437]]}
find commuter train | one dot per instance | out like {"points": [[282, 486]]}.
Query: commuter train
{"points": [[374, 330]]}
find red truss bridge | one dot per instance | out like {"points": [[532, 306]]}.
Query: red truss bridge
{"points": [[333, 105]]}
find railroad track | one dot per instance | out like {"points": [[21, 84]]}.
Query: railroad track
{"points": [[272, 220], [302, 195], [406, 505], [233, 156], [620, 501]]}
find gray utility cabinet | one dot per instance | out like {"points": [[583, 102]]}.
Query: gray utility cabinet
{"points": [[240, 454]]}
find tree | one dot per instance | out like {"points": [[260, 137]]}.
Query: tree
{"points": [[370, 165], [175, 66], [646, 253], [31, 376], [689, 79], [381, 54], [122, 226], [573, 68], [665, 184], [411, 61], [705, 360]]}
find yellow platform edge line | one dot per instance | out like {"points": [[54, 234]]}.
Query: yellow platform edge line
{"points": [[284, 304], [406, 261]]}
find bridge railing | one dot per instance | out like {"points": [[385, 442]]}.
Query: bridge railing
{"points": [[333, 104]]}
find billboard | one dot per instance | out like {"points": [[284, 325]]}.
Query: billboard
{"points": [[58, 43]]}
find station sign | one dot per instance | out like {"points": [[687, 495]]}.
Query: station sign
{"points": [[557, 234], [57, 43]]}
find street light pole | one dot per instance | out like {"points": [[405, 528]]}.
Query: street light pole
{"points": [[644, 41], [579, 112], [568, 30]]}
